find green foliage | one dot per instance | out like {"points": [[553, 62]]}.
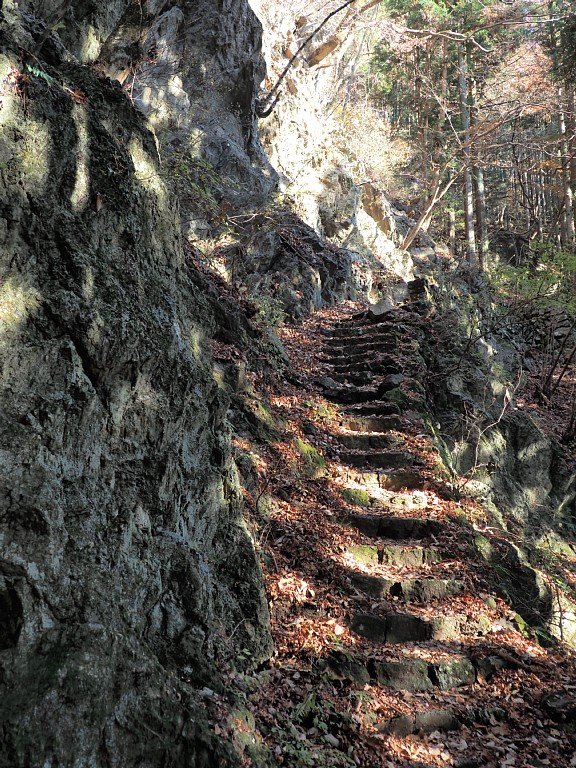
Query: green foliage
{"points": [[567, 58], [322, 411], [314, 722], [356, 496], [195, 180], [269, 310], [40, 73], [549, 280], [312, 461], [558, 38], [300, 752]]}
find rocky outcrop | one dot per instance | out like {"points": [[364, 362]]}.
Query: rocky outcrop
{"points": [[304, 141], [499, 455], [495, 446], [126, 571], [192, 68]]}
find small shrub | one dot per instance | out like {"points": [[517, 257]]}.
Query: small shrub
{"points": [[195, 180], [269, 310], [323, 411]]}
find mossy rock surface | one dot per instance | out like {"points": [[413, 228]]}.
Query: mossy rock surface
{"points": [[356, 496], [311, 461]]}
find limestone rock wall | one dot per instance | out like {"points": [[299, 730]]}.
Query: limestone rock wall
{"points": [[307, 147], [191, 66], [126, 571]]}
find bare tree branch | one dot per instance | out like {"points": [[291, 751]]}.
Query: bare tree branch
{"points": [[263, 104]]}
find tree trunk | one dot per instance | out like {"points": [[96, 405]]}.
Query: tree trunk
{"points": [[452, 219], [480, 208], [479, 191], [468, 191], [433, 178], [568, 215]]}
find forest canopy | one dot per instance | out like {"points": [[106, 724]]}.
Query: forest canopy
{"points": [[484, 94]]}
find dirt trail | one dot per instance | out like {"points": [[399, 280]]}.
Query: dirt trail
{"points": [[393, 648]]}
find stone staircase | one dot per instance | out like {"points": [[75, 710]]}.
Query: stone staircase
{"points": [[375, 373]]}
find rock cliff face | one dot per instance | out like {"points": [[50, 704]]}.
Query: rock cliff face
{"points": [[126, 571], [191, 67], [307, 148]]}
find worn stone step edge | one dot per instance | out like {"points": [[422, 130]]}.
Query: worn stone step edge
{"points": [[365, 441], [422, 590], [343, 355], [373, 410], [384, 343], [359, 378], [375, 362], [394, 480], [380, 365], [356, 329], [396, 528], [364, 378], [376, 424], [440, 720], [395, 628], [372, 554], [378, 459], [386, 324], [381, 385], [417, 674], [377, 335]]}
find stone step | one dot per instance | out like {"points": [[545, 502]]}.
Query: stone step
{"points": [[366, 324], [392, 336], [393, 554], [374, 409], [354, 377], [395, 528], [409, 590], [378, 459], [420, 307], [394, 628], [387, 344], [357, 329], [411, 557], [382, 336], [350, 395], [357, 358], [379, 365], [416, 674], [441, 720], [372, 424], [393, 480], [367, 349], [421, 722], [365, 441]]}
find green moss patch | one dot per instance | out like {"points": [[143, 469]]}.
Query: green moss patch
{"points": [[356, 496], [311, 461]]}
